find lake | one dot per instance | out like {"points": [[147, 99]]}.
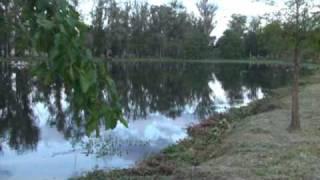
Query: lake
{"points": [[39, 140]]}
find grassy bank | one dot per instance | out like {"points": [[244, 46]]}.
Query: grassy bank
{"points": [[246, 143]]}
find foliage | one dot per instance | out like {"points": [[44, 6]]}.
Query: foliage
{"points": [[231, 44], [143, 30], [177, 84], [140, 30], [207, 12], [274, 40], [59, 33]]}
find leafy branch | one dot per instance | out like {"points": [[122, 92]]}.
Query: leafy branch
{"points": [[59, 33]]}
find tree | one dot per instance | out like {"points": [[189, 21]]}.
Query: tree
{"points": [[139, 28], [127, 29], [195, 45], [273, 39], [314, 34], [98, 23], [297, 24], [297, 21], [7, 14], [59, 34], [251, 38], [231, 44], [207, 12]]}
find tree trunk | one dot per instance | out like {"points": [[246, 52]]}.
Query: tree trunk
{"points": [[295, 116], [6, 49]]}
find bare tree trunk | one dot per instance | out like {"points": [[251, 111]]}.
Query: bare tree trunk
{"points": [[295, 116]]}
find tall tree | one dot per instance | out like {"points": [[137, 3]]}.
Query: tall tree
{"points": [[251, 38], [207, 12], [98, 23], [6, 19], [273, 39], [231, 44], [139, 28]]}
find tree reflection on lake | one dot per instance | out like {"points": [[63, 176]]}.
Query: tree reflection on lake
{"points": [[160, 100], [170, 88]]}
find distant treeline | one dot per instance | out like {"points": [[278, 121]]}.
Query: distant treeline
{"points": [[138, 29], [142, 30]]}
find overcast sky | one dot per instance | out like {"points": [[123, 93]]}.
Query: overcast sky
{"points": [[225, 9]]}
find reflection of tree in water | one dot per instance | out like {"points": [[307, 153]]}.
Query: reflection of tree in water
{"points": [[164, 88], [61, 114], [253, 77], [168, 88], [17, 125], [144, 88]]}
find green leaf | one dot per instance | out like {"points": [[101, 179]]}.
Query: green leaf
{"points": [[46, 24], [92, 124], [124, 122], [62, 29], [109, 117], [71, 73], [54, 53], [87, 79], [88, 54], [71, 62], [84, 83], [111, 122], [48, 79]]}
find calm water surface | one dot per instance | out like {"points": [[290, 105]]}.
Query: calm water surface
{"points": [[39, 140]]}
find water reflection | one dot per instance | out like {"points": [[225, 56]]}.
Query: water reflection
{"points": [[38, 129], [17, 121], [169, 88]]}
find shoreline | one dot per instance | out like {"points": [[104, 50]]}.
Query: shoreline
{"points": [[207, 141], [161, 163], [271, 62]]}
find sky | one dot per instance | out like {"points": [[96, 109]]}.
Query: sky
{"points": [[225, 9]]}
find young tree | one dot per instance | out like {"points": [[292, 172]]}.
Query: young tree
{"points": [[298, 18], [297, 22]]}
